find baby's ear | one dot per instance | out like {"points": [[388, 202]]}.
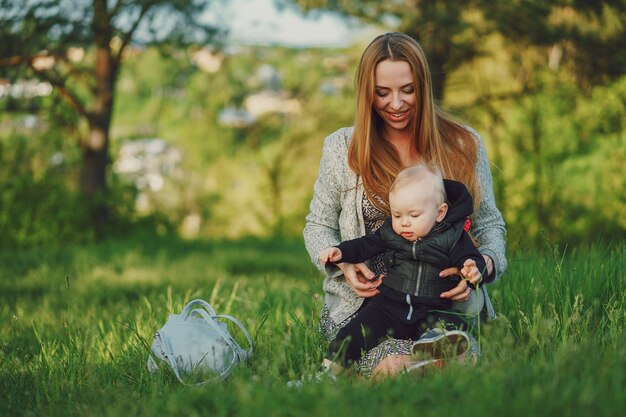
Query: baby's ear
{"points": [[441, 213]]}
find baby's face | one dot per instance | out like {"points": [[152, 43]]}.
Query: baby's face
{"points": [[414, 212]]}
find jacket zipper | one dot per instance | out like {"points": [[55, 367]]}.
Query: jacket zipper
{"points": [[419, 269]]}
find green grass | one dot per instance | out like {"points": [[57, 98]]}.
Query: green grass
{"points": [[74, 324]]}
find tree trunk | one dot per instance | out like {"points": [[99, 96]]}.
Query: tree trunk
{"points": [[497, 160], [437, 47], [538, 190], [94, 151], [95, 147], [93, 176], [438, 76], [437, 55]]}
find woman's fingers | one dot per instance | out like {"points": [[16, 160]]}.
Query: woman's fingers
{"points": [[367, 293], [366, 273], [355, 278], [463, 296], [355, 275], [449, 272], [459, 293]]}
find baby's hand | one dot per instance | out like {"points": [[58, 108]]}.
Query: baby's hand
{"points": [[470, 272], [331, 254]]}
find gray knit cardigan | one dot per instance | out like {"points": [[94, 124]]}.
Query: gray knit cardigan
{"points": [[336, 215]]}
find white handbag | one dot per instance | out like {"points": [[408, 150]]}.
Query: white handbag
{"points": [[197, 346]]}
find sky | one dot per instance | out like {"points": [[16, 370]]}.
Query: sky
{"points": [[260, 22]]}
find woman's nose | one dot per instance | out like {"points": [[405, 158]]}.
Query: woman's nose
{"points": [[396, 102]]}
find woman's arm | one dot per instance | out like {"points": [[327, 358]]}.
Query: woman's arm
{"points": [[322, 222], [488, 225]]}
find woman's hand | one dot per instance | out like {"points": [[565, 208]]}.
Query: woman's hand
{"points": [[459, 293], [361, 279], [462, 291]]}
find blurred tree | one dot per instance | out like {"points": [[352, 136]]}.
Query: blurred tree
{"points": [[589, 36], [47, 39], [451, 32]]}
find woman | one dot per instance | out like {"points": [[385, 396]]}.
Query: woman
{"points": [[397, 124]]}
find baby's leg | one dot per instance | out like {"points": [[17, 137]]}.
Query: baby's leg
{"points": [[365, 331]]}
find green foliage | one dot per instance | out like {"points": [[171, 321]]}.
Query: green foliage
{"points": [[41, 204], [75, 323], [81, 45], [451, 33], [559, 162], [589, 34], [554, 129], [255, 171]]}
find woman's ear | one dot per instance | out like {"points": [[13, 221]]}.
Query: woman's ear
{"points": [[441, 213]]}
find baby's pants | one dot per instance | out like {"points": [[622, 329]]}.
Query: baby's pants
{"points": [[390, 314]]}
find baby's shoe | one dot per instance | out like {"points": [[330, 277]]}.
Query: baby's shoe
{"points": [[439, 343]]}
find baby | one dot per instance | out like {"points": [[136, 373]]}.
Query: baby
{"points": [[425, 234]]}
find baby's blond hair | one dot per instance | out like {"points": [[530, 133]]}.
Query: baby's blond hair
{"points": [[418, 173]]}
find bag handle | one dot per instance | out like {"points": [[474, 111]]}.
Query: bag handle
{"points": [[206, 312], [187, 310], [245, 353], [209, 315], [242, 355]]}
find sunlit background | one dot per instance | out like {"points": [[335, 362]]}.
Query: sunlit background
{"points": [[218, 133]]}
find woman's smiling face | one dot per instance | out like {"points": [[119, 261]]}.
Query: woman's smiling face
{"points": [[395, 97]]}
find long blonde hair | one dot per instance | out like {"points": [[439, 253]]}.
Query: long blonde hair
{"points": [[439, 139]]}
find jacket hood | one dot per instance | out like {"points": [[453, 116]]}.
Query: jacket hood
{"points": [[460, 202]]}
